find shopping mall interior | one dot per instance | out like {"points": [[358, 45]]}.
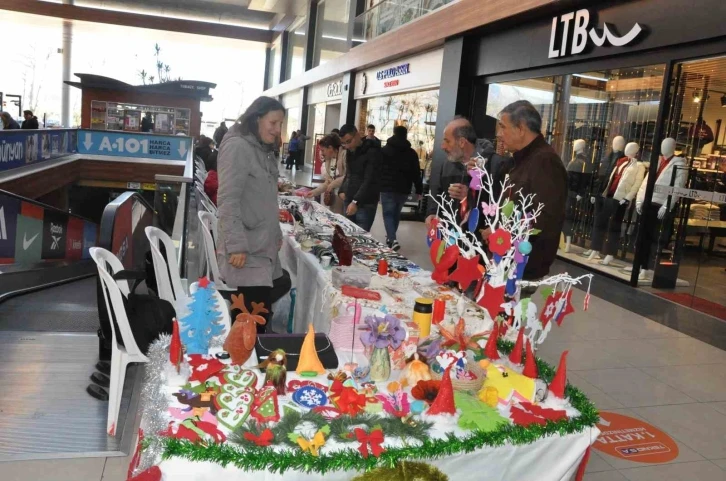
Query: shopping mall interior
{"points": [[410, 349]]}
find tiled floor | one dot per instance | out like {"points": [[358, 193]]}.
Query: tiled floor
{"points": [[625, 363]]}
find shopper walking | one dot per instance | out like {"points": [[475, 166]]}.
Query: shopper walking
{"points": [[361, 189], [9, 122], [30, 122], [371, 135], [300, 155], [219, 133], [292, 147], [399, 171], [537, 170], [249, 228]]}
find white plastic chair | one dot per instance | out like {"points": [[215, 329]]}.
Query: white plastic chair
{"points": [[205, 201], [209, 232], [121, 356], [168, 280]]}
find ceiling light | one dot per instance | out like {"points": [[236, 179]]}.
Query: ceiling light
{"points": [[696, 96], [591, 77]]}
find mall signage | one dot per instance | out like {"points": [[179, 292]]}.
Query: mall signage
{"points": [[572, 33], [334, 89], [397, 71]]}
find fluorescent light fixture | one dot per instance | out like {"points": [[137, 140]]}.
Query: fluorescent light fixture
{"points": [[602, 79]]}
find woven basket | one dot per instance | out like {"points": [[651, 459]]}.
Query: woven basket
{"points": [[473, 385]]}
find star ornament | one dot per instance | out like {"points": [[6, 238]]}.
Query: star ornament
{"points": [[549, 312], [467, 271]]}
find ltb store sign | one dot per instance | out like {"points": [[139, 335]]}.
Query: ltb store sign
{"points": [[573, 33]]}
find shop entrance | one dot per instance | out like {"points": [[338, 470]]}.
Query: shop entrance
{"points": [[692, 240]]}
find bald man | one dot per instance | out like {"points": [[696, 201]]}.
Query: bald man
{"points": [[459, 144]]}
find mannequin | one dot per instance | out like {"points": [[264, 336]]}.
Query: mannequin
{"points": [[578, 179], [603, 173], [672, 171], [621, 189]]}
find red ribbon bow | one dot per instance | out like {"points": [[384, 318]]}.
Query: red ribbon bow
{"points": [[264, 439], [348, 400], [375, 439]]}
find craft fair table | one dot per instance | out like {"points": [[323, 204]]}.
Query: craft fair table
{"points": [[197, 422]]}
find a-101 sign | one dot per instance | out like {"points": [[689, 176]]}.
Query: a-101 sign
{"points": [[571, 34], [122, 144]]}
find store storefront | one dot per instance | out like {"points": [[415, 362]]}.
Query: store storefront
{"points": [[404, 92], [323, 116], [651, 74], [292, 103], [171, 107]]}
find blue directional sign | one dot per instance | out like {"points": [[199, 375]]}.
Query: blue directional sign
{"points": [[142, 146]]}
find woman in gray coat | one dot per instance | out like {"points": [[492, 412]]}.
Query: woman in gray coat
{"points": [[249, 229]]}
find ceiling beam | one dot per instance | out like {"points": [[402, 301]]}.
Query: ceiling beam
{"points": [[425, 33], [95, 15]]}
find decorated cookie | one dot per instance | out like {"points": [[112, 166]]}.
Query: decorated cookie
{"points": [[234, 410], [241, 378]]}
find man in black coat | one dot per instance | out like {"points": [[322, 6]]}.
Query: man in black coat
{"points": [[399, 170], [219, 134], [360, 188], [30, 122]]}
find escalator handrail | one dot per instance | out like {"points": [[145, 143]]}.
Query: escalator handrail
{"points": [[105, 236], [46, 206]]}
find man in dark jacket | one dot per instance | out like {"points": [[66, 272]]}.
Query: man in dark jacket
{"points": [[147, 123], [399, 170], [30, 122], [219, 133], [360, 187], [537, 170]]}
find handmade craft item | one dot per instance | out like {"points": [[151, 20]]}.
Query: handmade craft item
{"points": [[530, 365], [176, 351], [444, 402], [415, 371], [508, 383], [559, 382], [342, 247], [475, 415], [203, 323], [276, 370], [265, 408], [234, 409], [383, 332], [242, 337], [309, 361]]}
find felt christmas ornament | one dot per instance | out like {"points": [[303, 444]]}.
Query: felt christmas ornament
{"points": [[549, 311], [473, 222], [416, 371], [557, 386], [467, 271], [490, 350], [203, 323], [530, 365], [509, 384], [547, 413], [264, 439], [309, 360], [458, 337], [276, 370], [242, 337], [520, 417], [516, 355], [493, 299], [234, 410], [444, 402], [204, 367], [176, 352], [564, 306], [475, 415], [265, 408], [374, 439], [433, 232]]}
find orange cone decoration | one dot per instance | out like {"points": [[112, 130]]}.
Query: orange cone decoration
{"points": [[557, 386], [516, 355], [175, 348], [444, 402], [309, 360], [490, 350], [530, 365]]}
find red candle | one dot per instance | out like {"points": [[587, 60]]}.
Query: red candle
{"points": [[439, 311], [383, 267]]}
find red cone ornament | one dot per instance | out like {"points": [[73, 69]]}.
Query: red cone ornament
{"points": [[530, 366], [175, 348], [516, 355], [557, 386], [490, 350], [444, 402]]}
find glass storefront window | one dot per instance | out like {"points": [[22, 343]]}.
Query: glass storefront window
{"points": [[688, 243], [416, 111], [331, 31], [295, 61], [582, 115]]}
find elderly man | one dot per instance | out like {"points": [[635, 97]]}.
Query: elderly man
{"points": [[537, 170]]}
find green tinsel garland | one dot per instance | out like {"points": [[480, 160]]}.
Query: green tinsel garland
{"points": [[265, 459]]}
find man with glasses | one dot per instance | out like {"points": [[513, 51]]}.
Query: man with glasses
{"points": [[360, 189]]}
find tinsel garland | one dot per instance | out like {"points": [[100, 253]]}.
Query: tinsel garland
{"points": [[265, 459], [404, 471]]}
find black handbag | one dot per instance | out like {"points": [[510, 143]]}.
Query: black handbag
{"points": [[148, 315]]}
